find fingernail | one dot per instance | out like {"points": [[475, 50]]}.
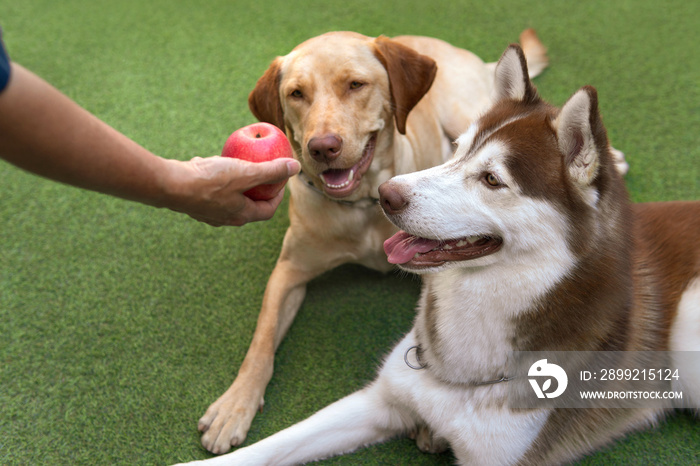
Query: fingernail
{"points": [[293, 167]]}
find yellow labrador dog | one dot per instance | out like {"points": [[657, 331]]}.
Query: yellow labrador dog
{"points": [[358, 110]]}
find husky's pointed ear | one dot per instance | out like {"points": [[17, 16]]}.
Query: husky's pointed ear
{"points": [[512, 79], [581, 135]]}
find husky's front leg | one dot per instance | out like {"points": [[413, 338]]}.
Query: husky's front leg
{"points": [[360, 419]]}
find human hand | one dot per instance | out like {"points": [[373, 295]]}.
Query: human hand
{"points": [[211, 189]]}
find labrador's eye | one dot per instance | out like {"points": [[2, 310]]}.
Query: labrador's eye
{"points": [[356, 85], [297, 94]]}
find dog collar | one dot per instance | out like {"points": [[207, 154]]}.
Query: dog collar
{"points": [[421, 365], [360, 203]]}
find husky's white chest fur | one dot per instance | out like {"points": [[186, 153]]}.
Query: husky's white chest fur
{"points": [[472, 419]]}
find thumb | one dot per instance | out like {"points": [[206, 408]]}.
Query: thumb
{"points": [[273, 171]]}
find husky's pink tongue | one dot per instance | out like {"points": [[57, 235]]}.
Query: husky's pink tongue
{"points": [[401, 247]]}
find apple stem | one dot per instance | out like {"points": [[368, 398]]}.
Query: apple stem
{"points": [[258, 136]]}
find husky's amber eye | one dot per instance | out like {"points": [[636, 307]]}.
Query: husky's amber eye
{"points": [[492, 180]]}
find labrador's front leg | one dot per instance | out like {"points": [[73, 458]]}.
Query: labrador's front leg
{"points": [[303, 257], [228, 419]]}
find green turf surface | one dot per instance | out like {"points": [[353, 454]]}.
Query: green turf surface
{"points": [[120, 323]]}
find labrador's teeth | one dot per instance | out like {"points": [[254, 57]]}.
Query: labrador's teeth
{"points": [[351, 176], [336, 186]]}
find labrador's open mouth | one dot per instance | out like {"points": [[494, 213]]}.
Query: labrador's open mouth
{"points": [[342, 182]]}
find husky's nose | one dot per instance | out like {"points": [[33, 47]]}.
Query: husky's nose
{"points": [[325, 148], [391, 198]]}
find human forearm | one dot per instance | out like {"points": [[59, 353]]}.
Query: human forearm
{"points": [[43, 131]]}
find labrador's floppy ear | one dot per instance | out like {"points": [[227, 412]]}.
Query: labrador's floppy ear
{"points": [[512, 80], [581, 135], [264, 99], [410, 76]]}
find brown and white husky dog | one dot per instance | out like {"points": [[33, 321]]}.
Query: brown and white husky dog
{"points": [[526, 241]]}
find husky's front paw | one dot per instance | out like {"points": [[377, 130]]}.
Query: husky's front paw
{"points": [[429, 443]]}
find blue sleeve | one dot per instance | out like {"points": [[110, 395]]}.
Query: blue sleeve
{"points": [[4, 65]]}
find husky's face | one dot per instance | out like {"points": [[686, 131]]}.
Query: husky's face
{"points": [[472, 210], [522, 186]]}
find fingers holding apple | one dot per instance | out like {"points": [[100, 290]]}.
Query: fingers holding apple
{"points": [[259, 142]]}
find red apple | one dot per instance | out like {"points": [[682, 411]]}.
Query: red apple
{"points": [[259, 142]]}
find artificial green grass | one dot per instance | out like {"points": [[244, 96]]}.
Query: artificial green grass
{"points": [[121, 323]]}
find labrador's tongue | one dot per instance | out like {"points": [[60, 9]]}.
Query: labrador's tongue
{"points": [[336, 177], [401, 247]]}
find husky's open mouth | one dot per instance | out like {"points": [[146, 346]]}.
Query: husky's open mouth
{"points": [[415, 252], [342, 182]]}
